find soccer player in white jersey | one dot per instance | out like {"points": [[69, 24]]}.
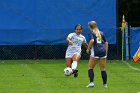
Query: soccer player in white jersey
{"points": [[73, 53], [99, 48]]}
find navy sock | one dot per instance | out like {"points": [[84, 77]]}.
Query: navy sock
{"points": [[91, 75], [104, 77]]}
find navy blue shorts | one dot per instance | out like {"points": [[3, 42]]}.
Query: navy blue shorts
{"points": [[98, 51]]}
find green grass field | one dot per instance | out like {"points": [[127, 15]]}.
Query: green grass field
{"points": [[46, 76]]}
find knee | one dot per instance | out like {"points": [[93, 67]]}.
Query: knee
{"points": [[102, 68], [90, 66], [75, 58]]}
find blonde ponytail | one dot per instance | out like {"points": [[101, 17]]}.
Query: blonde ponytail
{"points": [[93, 27], [97, 32]]}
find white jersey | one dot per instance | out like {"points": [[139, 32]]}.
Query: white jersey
{"points": [[77, 40]]}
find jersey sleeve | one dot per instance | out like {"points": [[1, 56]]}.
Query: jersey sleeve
{"points": [[91, 36], [70, 35]]}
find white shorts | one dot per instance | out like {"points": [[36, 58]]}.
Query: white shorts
{"points": [[72, 51], [70, 55]]}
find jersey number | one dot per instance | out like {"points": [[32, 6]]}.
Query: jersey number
{"points": [[98, 40]]}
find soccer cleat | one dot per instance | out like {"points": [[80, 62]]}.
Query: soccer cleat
{"points": [[105, 85], [75, 72], [91, 84]]}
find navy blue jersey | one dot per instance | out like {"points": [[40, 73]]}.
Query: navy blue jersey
{"points": [[98, 45]]}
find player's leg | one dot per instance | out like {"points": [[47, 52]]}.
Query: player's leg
{"points": [[68, 58], [68, 62], [102, 65], [75, 59], [91, 65]]}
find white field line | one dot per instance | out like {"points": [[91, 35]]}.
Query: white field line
{"points": [[131, 67]]}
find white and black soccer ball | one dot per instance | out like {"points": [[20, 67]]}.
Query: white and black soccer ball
{"points": [[67, 71]]}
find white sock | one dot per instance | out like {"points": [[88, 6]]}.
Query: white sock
{"points": [[74, 65]]}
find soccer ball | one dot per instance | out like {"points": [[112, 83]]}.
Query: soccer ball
{"points": [[67, 71]]}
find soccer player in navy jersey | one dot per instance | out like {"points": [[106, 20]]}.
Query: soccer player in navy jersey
{"points": [[73, 53], [98, 48]]}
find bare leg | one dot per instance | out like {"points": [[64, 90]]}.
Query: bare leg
{"points": [[68, 62], [102, 64]]}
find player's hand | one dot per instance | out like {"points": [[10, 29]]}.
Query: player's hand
{"points": [[70, 43]]}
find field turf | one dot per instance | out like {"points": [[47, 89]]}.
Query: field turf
{"points": [[46, 76]]}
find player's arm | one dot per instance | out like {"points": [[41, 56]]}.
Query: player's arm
{"points": [[106, 43], [85, 43], [106, 46], [68, 39], [90, 45]]}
